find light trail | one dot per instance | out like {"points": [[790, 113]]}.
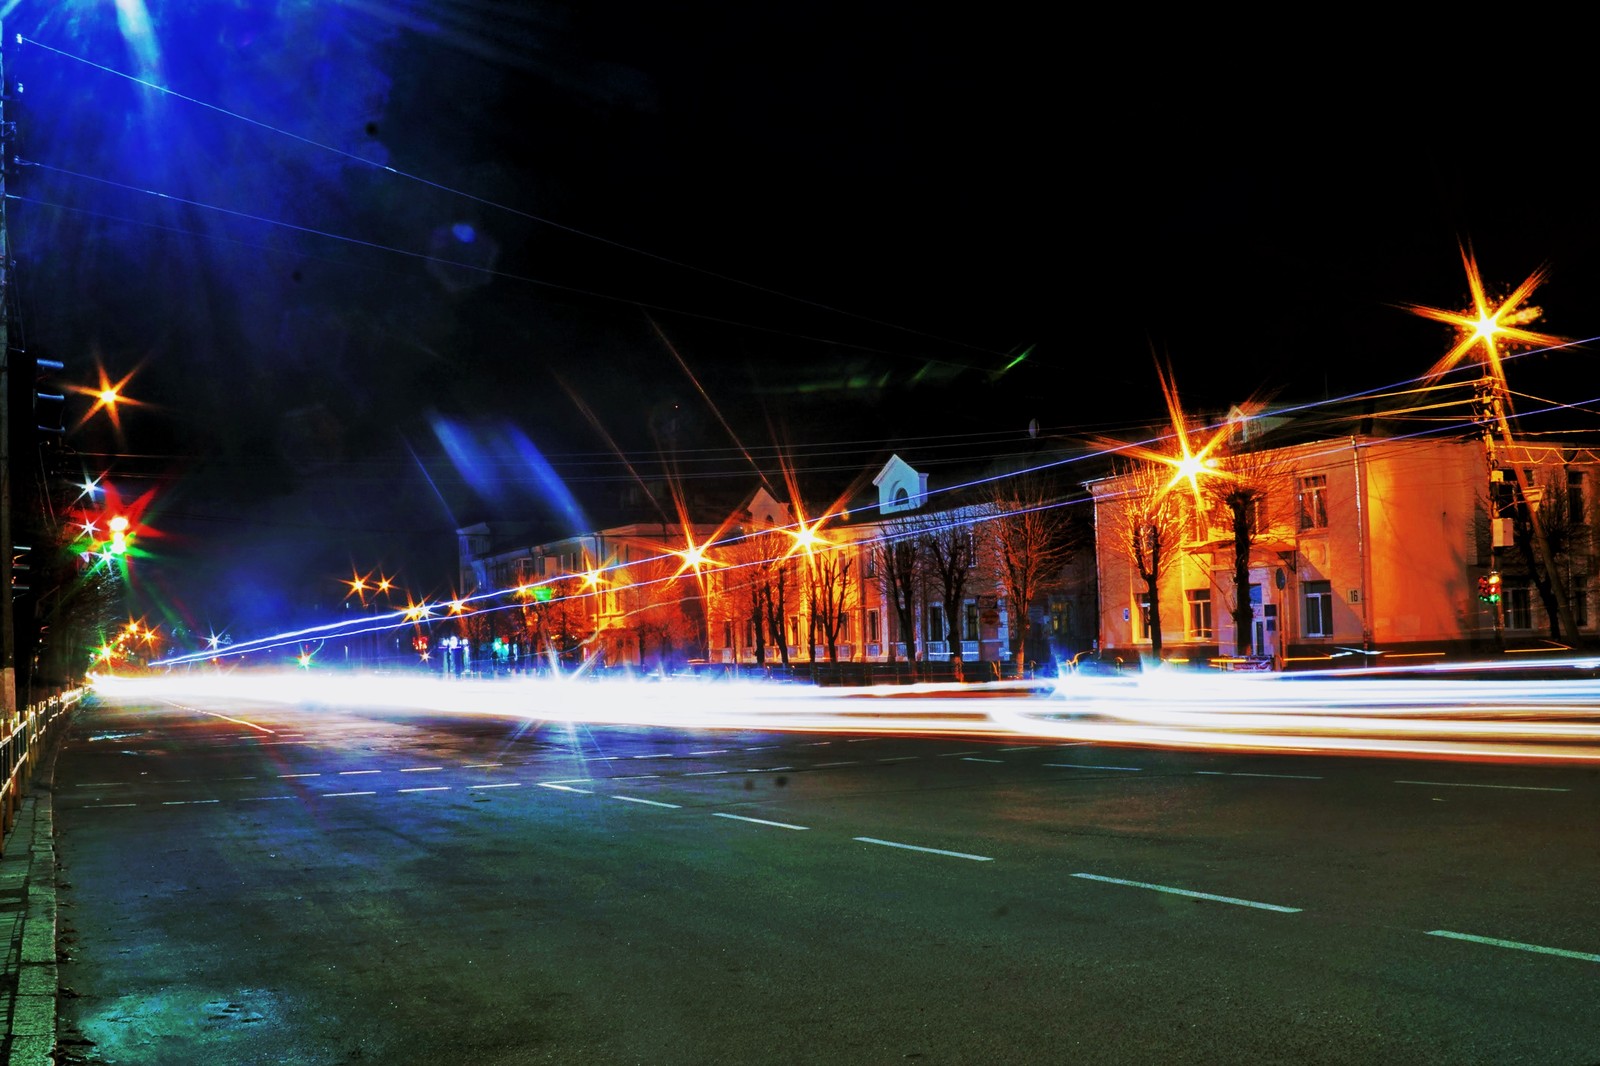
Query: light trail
{"points": [[1500, 716]]}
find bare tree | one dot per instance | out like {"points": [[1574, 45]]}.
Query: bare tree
{"points": [[1241, 485], [831, 595], [1031, 536], [948, 546], [900, 558], [1564, 530], [1149, 524]]}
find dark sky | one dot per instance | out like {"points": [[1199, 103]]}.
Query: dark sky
{"points": [[846, 220]]}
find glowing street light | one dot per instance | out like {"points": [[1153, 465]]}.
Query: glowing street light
{"points": [[1482, 329]]}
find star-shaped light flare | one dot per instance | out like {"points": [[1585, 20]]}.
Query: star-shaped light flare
{"points": [[1489, 326], [1187, 463]]}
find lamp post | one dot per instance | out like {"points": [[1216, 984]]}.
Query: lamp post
{"points": [[1481, 326]]}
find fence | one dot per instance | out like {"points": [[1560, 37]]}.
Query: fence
{"points": [[24, 744]]}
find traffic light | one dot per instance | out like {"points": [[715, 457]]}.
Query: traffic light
{"points": [[118, 545], [1483, 589], [1494, 586]]}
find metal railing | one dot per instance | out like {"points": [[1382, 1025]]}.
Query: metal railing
{"points": [[25, 742]]}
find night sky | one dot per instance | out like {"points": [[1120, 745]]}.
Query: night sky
{"points": [[846, 221]]}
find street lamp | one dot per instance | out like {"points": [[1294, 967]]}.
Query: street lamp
{"points": [[1484, 327]]}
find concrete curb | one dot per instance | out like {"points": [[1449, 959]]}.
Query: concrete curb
{"points": [[28, 871]]}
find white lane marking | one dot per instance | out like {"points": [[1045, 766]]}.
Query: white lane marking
{"points": [[969, 758], [357, 773], [1025, 747], [653, 803], [817, 744], [250, 778], [930, 851], [103, 806], [430, 788], [958, 754], [1241, 773], [565, 788], [418, 769], [1090, 766], [1585, 956], [349, 793], [860, 740], [1468, 784], [637, 777], [762, 747], [185, 803], [508, 784], [830, 765], [102, 784], [661, 755], [1193, 895], [480, 765], [712, 751], [768, 769], [758, 821], [258, 799], [902, 758], [238, 721], [298, 775], [705, 773]]}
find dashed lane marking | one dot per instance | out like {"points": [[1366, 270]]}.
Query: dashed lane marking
{"points": [[357, 773], [1493, 942], [505, 784], [758, 821], [1090, 766], [430, 788], [1192, 895], [652, 803], [1242, 773], [831, 765], [930, 851], [971, 758], [185, 803], [1468, 784], [565, 788], [419, 769], [333, 794]]}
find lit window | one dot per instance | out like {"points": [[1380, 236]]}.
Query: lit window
{"points": [[1314, 502], [1199, 603], [1318, 618], [1518, 604]]}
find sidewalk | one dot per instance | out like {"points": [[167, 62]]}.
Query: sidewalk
{"points": [[28, 918]]}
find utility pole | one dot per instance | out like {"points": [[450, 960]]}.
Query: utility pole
{"points": [[8, 626]]}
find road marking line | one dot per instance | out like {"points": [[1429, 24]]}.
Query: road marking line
{"points": [[661, 755], [930, 851], [653, 803], [1585, 956], [250, 778], [762, 747], [829, 765], [357, 773], [185, 803], [711, 751], [637, 777], [971, 759], [349, 793], [817, 744], [565, 788], [902, 758], [236, 721], [480, 765], [508, 784], [860, 740], [1193, 895], [758, 821], [430, 788], [298, 775], [1026, 747], [958, 754], [768, 769], [1241, 773], [257, 799], [419, 769], [1466, 784], [1090, 766], [101, 784], [705, 773], [102, 806]]}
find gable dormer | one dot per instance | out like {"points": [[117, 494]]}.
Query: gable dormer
{"points": [[901, 487]]}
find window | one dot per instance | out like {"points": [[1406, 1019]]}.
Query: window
{"points": [[727, 634], [1256, 514], [844, 629], [1199, 602], [969, 620], [1314, 502], [871, 562], [1518, 604], [1144, 616], [1578, 600], [935, 622], [872, 626], [1318, 618], [1575, 511]]}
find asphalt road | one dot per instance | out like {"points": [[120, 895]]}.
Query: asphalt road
{"points": [[262, 884]]}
